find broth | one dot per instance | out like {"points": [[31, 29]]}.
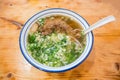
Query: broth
{"points": [[56, 40]]}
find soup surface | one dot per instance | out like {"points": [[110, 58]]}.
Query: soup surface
{"points": [[55, 40]]}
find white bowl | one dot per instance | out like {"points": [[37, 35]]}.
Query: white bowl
{"points": [[48, 12]]}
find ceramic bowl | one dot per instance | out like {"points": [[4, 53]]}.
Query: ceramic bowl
{"points": [[48, 12]]}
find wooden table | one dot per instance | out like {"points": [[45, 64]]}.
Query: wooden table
{"points": [[103, 62]]}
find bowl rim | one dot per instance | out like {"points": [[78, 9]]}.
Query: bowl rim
{"points": [[47, 70]]}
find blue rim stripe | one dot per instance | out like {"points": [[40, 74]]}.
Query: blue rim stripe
{"points": [[52, 70]]}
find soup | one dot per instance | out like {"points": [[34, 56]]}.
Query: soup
{"points": [[56, 40]]}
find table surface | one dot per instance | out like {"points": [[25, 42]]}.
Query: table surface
{"points": [[102, 64]]}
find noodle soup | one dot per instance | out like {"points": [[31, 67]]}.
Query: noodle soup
{"points": [[56, 40]]}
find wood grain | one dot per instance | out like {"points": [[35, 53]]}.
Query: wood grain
{"points": [[102, 64]]}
